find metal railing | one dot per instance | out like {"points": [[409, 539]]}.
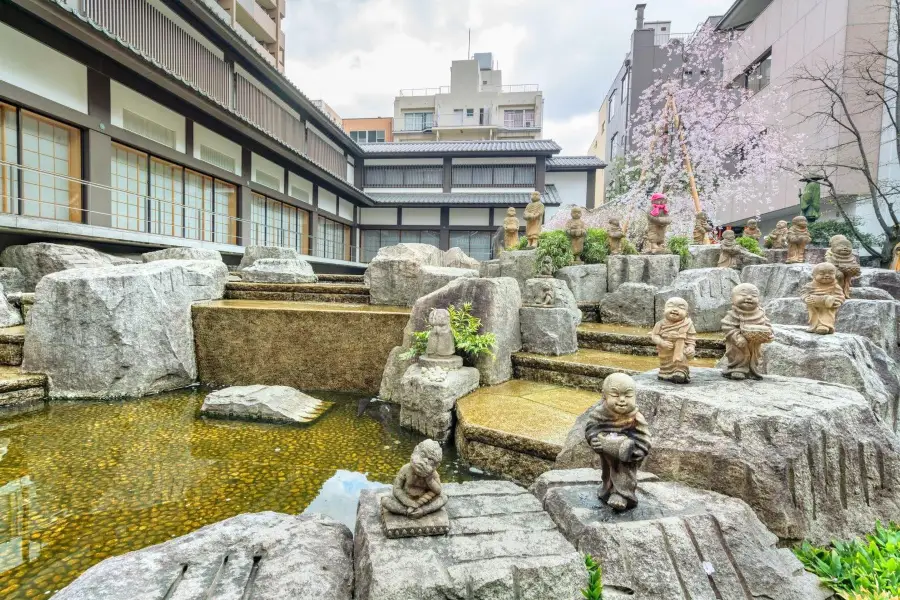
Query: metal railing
{"points": [[460, 119], [511, 89], [444, 89], [664, 39]]}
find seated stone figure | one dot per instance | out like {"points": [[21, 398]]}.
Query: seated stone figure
{"points": [[417, 488], [620, 435], [823, 297], [746, 329], [676, 341], [729, 251], [441, 348], [840, 254]]}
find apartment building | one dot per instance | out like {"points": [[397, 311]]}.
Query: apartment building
{"points": [[600, 149], [372, 130], [138, 124], [258, 21], [475, 106]]}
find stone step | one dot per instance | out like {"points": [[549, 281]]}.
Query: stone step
{"points": [[627, 339], [22, 300], [340, 278], [11, 341], [587, 368], [20, 390], [350, 293]]}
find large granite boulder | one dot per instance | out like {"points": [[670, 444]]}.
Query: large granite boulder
{"points": [[777, 280], [266, 556], [501, 544], [877, 320], [549, 330], [870, 293], [114, 332], [399, 275], [630, 304], [455, 258], [182, 254], [489, 268], [11, 279], [679, 543], [434, 278], [254, 253], [273, 403], [884, 279], [9, 314], [394, 369], [708, 293], [521, 265], [587, 282], [812, 459], [279, 270], [427, 398], [844, 358], [814, 255], [34, 261], [659, 270]]}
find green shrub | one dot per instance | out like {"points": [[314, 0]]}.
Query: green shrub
{"points": [[628, 247], [680, 245], [522, 245], [749, 244], [464, 326], [867, 568], [556, 245], [821, 232], [594, 590], [596, 247]]}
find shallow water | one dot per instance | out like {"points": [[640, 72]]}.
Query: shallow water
{"points": [[80, 481]]}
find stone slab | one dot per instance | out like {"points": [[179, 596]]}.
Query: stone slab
{"points": [[587, 282], [427, 397], [279, 270], [630, 304], [777, 280], [501, 544], [659, 271], [273, 403], [182, 254], [551, 331], [884, 279], [398, 526], [708, 294], [521, 265]]}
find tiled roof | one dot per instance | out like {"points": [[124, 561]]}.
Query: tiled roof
{"points": [[464, 147], [551, 198], [563, 163]]}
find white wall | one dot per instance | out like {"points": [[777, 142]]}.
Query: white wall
{"points": [[571, 185], [122, 97], [32, 66], [470, 216], [327, 201], [258, 163], [350, 173], [490, 160], [210, 139], [345, 209], [295, 181], [421, 216], [377, 216]]}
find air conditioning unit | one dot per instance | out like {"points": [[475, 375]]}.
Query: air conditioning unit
{"points": [[529, 123]]}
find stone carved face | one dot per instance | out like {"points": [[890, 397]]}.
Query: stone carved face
{"points": [[751, 224], [728, 235], [676, 310], [799, 222], [614, 223], [841, 246], [701, 218], [510, 212], [425, 458], [535, 196], [439, 317], [825, 274], [745, 297], [576, 213], [619, 394], [781, 225]]}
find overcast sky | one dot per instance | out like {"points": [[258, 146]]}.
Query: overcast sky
{"points": [[357, 54]]}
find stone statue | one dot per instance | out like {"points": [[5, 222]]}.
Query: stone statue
{"points": [[676, 341], [896, 264], [751, 230], [746, 329], [545, 267], [729, 251], [823, 297], [440, 350], [619, 434], [417, 490], [840, 254], [534, 218], [547, 296], [702, 229], [576, 231], [511, 229], [657, 222], [615, 234], [797, 237], [777, 240]]}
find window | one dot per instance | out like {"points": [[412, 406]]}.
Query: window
{"points": [[614, 145], [470, 112], [166, 203], [146, 128], [129, 177], [625, 86], [371, 136], [493, 176], [333, 240], [9, 153], [375, 239], [476, 244], [418, 121], [218, 159], [612, 106], [519, 118], [757, 76], [413, 176], [51, 151], [274, 223]]}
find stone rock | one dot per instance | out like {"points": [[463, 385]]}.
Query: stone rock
{"points": [[708, 293], [551, 331], [496, 302], [394, 369], [36, 260], [843, 358], [777, 280], [427, 398], [707, 257], [811, 458], [501, 544], [115, 332], [457, 259], [117, 261], [659, 271], [401, 274], [884, 279], [630, 304], [877, 320], [401, 526], [521, 265], [306, 557], [254, 253], [490, 268], [434, 278], [9, 314], [562, 297], [813, 256], [11, 279], [182, 254], [587, 282], [678, 544], [279, 270], [869, 293], [275, 403]]}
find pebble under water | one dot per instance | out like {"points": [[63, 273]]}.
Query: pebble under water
{"points": [[83, 481]]}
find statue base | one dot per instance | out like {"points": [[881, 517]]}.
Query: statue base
{"points": [[449, 363], [399, 526]]}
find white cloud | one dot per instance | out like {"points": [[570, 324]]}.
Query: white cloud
{"points": [[574, 134]]}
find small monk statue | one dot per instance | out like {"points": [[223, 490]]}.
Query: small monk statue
{"points": [[798, 237], [746, 329], [417, 488], [534, 218], [545, 267], [702, 229], [511, 229], [676, 341], [619, 434], [840, 254], [615, 234], [823, 297], [777, 240], [729, 251], [895, 266], [547, 296], [440, 351], [657, 222], [751, 230], [576, 231]]}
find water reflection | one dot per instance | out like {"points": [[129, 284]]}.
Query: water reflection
{"points": [[339, 496]]}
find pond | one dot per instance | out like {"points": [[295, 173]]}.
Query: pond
{"points": [[82, 481]]}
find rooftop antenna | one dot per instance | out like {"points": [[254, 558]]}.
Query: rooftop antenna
{"points": [[469, 50]]}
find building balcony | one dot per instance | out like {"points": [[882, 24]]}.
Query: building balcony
{"points": [[268, 4], [444, 89], [461, 120], [253, 18]]}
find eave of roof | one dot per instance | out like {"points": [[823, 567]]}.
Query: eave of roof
{"points": [[461, 148], [574, 163], [742, 13], [550, 198]]}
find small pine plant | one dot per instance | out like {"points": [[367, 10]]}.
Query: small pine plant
{"points": [[557, 246], [628, 247], [594, 590], [464, 326], [680, 245], [596, 247], [749, 244]]}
